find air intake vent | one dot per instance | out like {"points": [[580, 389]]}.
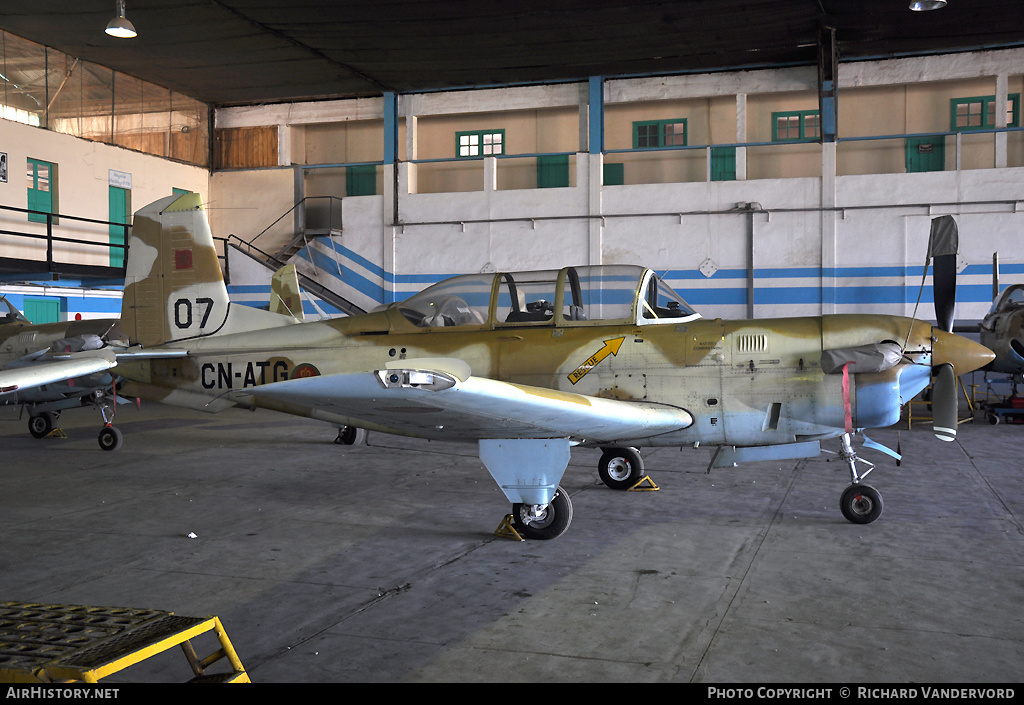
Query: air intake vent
{"points": [[752, 343]]}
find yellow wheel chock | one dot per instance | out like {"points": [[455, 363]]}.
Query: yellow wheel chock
{"points": [[506, 530], [651, 487]]}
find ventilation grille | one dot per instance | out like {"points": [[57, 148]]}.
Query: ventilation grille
{"points": [[752, 343]]}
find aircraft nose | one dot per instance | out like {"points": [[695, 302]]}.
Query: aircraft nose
{"points": [[963, 354]]}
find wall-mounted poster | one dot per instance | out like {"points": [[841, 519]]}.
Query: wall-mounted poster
{"points": [[3, 167]]}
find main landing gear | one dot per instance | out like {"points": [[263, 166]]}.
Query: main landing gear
{"points": [[543, 521], [860, 504], [42, 424], [620, 468]]}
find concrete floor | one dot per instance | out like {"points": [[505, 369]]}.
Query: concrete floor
{"points": [[380, 563]]}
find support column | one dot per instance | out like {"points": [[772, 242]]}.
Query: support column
{"points": [[828, 227], [390, 210], [1002, 100], [828, 78], [595, 163], [828, 100], [741, 136]]}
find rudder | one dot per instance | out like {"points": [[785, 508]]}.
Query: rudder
{"points": [[174, 289]]}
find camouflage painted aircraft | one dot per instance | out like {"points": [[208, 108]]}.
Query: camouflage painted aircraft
{"points": [[1002, 331], [529, 364], [37, 370]]}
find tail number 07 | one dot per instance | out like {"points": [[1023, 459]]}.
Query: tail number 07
{"points": [[183, 316]]}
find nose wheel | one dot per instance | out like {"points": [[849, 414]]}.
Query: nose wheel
{"points": [[110, 438], [860, 504]]}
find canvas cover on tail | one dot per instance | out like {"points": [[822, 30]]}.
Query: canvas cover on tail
{"points": [[174, 289]]}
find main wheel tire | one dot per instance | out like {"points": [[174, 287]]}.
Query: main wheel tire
{"points": [[861, 504], [620, 468], [346, 435], [110, 438], [549, 523], [40, 425]]}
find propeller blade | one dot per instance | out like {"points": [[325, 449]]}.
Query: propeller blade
{"points": [[943, 244], [944, 404]]}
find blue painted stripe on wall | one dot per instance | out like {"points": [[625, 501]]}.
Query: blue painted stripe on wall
{"points": [[787, 295]]}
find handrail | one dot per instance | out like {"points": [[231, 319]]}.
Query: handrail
{"points": [[309, 283], [302, 203], [51, 238]]}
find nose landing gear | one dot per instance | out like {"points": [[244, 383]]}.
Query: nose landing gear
{"points": [[860, 504]]}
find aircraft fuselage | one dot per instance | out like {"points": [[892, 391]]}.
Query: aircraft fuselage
{"points": [[744, 382]]}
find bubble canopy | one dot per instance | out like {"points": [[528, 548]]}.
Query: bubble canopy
{"points": [[572, 296]]}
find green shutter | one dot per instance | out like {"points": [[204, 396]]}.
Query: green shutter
{"points": [[723, 163], [119, 200], [614, 174], [553, 171], [361, 180], [926, 154], [42, 310], [40, 189]]}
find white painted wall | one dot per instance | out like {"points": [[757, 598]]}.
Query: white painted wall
{"points": [[824, 242], [83, 177]]}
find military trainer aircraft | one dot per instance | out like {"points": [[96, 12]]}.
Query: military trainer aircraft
{"points": [[1002, 331], [37, 369], [529, 364], [47, 367]]}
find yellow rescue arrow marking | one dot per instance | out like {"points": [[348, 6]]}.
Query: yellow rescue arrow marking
{"points": [[610, 347]]}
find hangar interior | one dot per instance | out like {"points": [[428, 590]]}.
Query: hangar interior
{"points": [[771, 159]]}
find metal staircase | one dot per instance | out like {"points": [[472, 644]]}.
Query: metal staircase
{"points": [[313, 216]]}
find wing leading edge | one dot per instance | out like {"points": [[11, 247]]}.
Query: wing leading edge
{"points": [[38, 373]]}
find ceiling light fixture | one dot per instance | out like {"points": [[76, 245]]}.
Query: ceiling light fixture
{"points": [[121, 26], [923, 5]]}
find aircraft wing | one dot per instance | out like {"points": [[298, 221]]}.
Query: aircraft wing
{"points": [[37, 373], [440, 399]]}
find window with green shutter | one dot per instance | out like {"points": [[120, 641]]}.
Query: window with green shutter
{"points": [[796, 125], [652, 134], [479, 143], [979, 113]]}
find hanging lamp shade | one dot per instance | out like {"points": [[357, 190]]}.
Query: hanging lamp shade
{"points": [[121, 26]]}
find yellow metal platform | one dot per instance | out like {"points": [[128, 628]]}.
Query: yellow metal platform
{"points": [[42, 643]]}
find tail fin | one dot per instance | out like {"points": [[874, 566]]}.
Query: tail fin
{"points": [[174, 289], [285, 296]]}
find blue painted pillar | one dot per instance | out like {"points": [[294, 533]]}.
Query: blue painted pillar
{"points": [[596, 114]]}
